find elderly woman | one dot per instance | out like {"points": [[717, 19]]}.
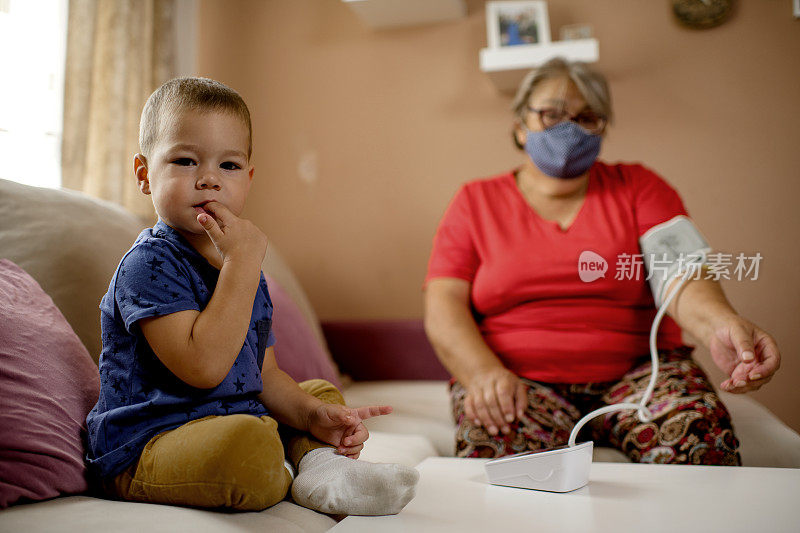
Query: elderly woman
{"points": [[531, 345]]}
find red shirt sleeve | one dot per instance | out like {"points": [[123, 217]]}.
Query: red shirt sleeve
{"points": [[654, 200], [454, 254]]}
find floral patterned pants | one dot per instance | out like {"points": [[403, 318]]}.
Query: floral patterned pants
{"points": [[691, 425]]}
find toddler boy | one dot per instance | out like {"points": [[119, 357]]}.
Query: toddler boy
{"points": [[191, 396]]}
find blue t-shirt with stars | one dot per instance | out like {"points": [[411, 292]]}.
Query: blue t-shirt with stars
{"points": [[139, 397]]}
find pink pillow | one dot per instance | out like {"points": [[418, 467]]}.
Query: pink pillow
{"points": [[297, 350], [48, 384]]}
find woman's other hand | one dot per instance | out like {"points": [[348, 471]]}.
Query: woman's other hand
{"points": [[495, 398], [745, 352]]}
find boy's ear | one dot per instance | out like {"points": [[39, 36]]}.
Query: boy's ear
{"points": [[140, 171]]}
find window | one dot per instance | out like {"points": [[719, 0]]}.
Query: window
{"points": [[32, 57]]}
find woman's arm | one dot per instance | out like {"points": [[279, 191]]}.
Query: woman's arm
{"points": [[742, 350], [495, 396], [699, 307]]}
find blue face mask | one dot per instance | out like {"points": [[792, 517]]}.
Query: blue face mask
{"points": [[564, 151]]}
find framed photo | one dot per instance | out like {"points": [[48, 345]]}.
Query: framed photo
{"points": [[517, 23]]}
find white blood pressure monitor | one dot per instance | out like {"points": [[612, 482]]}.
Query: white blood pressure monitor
{"points": [[561, 469], [681, 250]]}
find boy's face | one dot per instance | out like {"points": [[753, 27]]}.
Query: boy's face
{"points": [[199, 156]]}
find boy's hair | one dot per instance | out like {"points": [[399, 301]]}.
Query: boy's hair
{"points": [[181, 94]]}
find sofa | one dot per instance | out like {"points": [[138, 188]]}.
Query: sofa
{"points": [[66, 246]]}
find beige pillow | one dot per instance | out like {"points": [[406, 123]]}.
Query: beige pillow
{"points": [[71, 245]]}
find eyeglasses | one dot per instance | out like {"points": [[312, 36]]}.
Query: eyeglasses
{"points": [[589, 120]]}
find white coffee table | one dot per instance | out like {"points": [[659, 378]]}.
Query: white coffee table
{"points": [[453, 496]]}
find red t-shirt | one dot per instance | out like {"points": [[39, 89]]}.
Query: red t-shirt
{"points": [[530, 304]]}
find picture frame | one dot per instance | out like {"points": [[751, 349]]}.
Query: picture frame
{"points": [[518, 23]]}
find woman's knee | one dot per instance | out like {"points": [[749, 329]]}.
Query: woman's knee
{"points": [[700, 434]]}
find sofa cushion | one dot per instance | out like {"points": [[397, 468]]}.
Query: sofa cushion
{"points": [[368, 350], [420, 408], [764, 440], [423, 408], [405, 449], [70, 244], [83, 514], [298, 351], [48, 383], [276, 267]]}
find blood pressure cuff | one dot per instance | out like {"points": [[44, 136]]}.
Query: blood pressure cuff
{"points": [[667, 251]]}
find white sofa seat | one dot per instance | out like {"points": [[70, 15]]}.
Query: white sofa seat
{"points": [[79, 514], [423, 408]]}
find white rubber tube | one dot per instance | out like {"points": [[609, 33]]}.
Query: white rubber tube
{"points": [[694, 263]]}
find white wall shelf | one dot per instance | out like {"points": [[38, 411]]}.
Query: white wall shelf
{"points": [[393, 13], [507, 65]]}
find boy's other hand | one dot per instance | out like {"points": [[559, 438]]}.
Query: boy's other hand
{"points": [[343, 426], [235, 238]]}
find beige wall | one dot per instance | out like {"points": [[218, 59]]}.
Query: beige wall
{"points": [[362, 136]]}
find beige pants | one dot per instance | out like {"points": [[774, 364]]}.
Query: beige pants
{"points": [[234, 461]]}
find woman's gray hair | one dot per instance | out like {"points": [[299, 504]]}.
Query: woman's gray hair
{"points": [[591, 84]]}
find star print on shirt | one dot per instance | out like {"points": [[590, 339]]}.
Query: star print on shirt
{"points": [[153, 277], [155, 263], [239, 385]]}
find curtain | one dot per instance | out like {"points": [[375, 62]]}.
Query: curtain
{"points": [[118, 52]]}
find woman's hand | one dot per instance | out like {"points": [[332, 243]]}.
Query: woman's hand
{"points": [[342, 426], [495, 398], [745, 352]]}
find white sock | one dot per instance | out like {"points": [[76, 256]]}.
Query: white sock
{"points": [[336, 484]]}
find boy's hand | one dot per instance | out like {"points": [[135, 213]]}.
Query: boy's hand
{"points": [[343, 427], [235, 238]]}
